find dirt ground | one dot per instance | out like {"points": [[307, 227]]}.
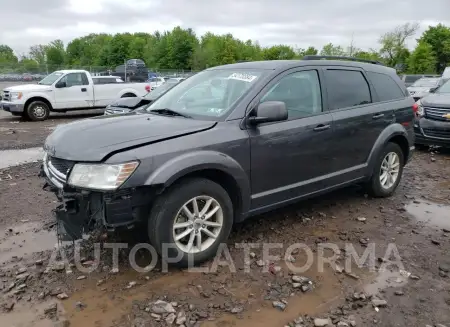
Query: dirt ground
{"points": [[415, 221]]}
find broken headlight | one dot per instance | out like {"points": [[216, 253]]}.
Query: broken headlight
{"points": [[101, 176]]}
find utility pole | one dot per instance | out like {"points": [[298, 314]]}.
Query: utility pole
{"points": [[125, 71]]}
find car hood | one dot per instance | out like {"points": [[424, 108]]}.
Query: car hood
{"points": [[130, 103], [94, 138], [419, 89], [437, 100], [28, 88]]}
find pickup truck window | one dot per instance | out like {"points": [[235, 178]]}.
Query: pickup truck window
{"points": [[50, 79], [73, 79]]}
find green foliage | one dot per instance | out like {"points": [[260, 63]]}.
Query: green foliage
{"points": [[332, 50], [438, 37], [181, 49], [422, 59]]}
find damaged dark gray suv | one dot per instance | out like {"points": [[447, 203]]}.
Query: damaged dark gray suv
{"points": [[228, 143]]}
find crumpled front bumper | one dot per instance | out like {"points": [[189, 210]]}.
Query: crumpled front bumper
{"points": [[82, 211]]}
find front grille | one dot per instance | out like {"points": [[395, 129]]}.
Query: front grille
{"points": [[6, 96], [437, 132], [61, 165], [437, 113]]}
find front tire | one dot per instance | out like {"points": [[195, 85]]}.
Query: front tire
{"points": [[192, 218], [37, 111], [387, 172]]}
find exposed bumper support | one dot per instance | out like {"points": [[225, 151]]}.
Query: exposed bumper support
{"points": [[82, 211]]}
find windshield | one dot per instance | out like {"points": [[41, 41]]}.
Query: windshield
{"points": [[426, 82], [444, 88], [210, 94], [50, 79], [159, 91]]}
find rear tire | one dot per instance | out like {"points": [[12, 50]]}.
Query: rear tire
{"points": [[197, 245], [37, 111], [387, 171]]}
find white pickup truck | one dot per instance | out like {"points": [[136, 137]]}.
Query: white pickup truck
{"points": [[66, 90]]}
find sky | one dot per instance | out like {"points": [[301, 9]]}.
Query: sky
{"points": [[299, 23]]}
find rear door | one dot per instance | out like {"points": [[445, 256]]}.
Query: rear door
{"points": [[76, 94], [358, 119]]}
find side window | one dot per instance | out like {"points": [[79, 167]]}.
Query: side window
{"points": [[386, 88], [300, 92], [346, 88], [74, 79]]}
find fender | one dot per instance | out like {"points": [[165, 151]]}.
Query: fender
{"points": [[39, 94], [385, 136], [191, 162]]}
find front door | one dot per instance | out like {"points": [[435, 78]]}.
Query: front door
{"points": [[290, 159], [77, 93]]}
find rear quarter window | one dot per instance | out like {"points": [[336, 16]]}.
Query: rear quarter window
{"points": [[385, 86]]}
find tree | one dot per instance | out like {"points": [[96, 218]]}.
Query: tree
{"points": [[422, 59], [7, 56], [56, 54], [332, 50], [393, 43], [438, 37], [37, 53], [181, 49], [278, 52]]}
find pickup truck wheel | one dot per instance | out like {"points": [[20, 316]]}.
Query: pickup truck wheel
{"points": [[37, 111], [387, 172], [190, 220]]}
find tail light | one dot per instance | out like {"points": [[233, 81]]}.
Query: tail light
{"points": [[147, 88], [415, 108]]}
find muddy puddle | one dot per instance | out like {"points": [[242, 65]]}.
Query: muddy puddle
{"points": [[429, 213], [386, 279], [9, 158], [30, 316], [24, 240]]}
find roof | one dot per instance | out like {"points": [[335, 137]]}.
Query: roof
{"points": [[286, 64]]}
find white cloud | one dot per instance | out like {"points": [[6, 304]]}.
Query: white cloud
{"points": [[294, 22]]}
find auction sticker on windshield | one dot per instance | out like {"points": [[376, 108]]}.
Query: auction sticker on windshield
{"points": [[243, 77]]}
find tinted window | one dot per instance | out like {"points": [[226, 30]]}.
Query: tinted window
{"points": [[300, 92], [412, 78], [346, 88], [386, 88]]}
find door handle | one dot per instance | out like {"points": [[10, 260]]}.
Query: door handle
{"points": [[83, 89], [321, 128], [377, 116]]}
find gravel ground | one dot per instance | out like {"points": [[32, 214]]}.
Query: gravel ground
{"points": [[416, 220]]}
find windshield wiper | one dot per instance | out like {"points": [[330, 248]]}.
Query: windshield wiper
{"points": [[169, 112]]}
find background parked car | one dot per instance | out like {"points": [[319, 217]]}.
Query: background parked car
{"points": [[425, 86], [126, 105], [410, 79]]}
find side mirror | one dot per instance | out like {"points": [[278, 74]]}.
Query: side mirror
{"points": [[433, 89], [60, 85], [269, 111]]}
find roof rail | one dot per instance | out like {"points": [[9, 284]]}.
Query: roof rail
{"points": [[311, 57]]}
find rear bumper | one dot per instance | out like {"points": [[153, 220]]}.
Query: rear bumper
{"points": [[82, 211], [12, 107], [432, 132]]}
